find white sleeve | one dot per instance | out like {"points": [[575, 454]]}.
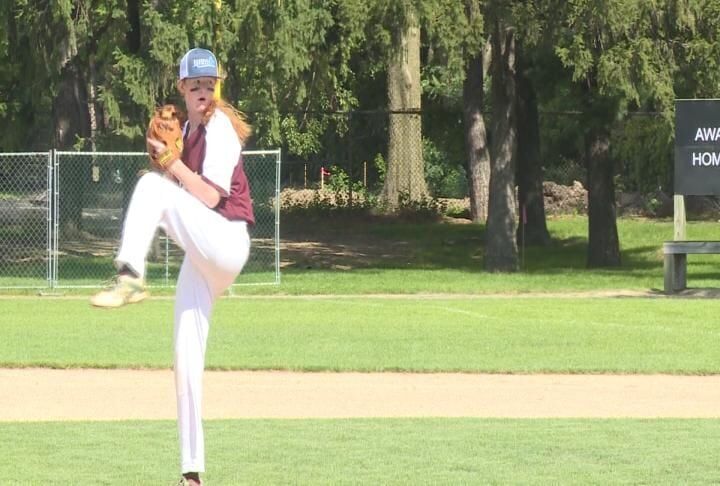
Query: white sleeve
{"points": [[222, 151]]}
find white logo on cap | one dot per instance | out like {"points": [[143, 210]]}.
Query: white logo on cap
{"points": [[203, 63]]}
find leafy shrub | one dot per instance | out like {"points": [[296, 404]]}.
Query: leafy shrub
{"points": [[643, 148], [325, 203], [421, 210], [339, 181], [333, 204], [444, 178], [381, 167]]}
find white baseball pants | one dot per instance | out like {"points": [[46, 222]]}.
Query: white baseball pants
{"points": [[216, 250]]}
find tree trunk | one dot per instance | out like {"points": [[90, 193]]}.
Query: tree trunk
{"points": [[603, 241], [70, 119], [69, 109], [132, 38], [533, 227], [501, 253], [476, 148], [405, 167]]}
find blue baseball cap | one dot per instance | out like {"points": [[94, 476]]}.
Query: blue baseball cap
{"points": [[198, 63]]}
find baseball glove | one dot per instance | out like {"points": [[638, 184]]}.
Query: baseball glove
{"points": [[165, 127]]}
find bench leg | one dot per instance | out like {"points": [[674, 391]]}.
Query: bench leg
{"points": [[675, 268]]}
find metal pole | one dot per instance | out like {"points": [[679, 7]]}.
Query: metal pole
{"points": [[277, 216], [56, 212], [523, 216], [49, 219], [167, 261], [350, 161]]}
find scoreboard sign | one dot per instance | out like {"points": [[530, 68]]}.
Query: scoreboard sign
{"points": [[697, 147]]}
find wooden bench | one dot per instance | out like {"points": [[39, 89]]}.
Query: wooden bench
{"points": [[675, 265]]}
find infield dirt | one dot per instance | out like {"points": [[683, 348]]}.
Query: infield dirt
{"points": [[91, 394]]}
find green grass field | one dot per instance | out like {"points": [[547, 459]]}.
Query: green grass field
{"points": [[385, 451], [518, 335], [347, 329]]}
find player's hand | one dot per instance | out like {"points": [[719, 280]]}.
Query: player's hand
{"points": [[156, 148], [155, 145]]}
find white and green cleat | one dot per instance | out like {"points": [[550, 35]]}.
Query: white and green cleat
{"points": [[124, 290]]}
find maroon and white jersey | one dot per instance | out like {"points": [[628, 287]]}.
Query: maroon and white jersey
{"points": [[214, 151]]}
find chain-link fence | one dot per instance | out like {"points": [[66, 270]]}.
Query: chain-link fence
{"points": [[424, 151], [25, 219], [62, 215], [362, 158], [363, 148]]}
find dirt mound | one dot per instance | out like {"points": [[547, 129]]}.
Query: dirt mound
{"points": [[561, 199]]}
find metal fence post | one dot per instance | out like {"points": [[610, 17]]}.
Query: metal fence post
{"points": [[56, 216], [50, 170], [278, 159], [350, 158]]}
